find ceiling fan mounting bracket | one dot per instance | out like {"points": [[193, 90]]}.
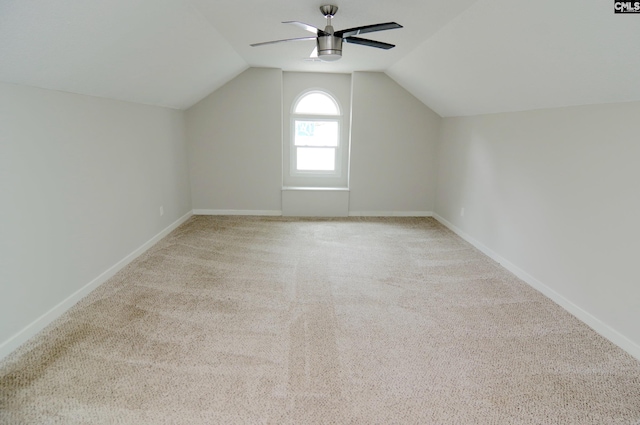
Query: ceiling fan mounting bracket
{"points": [[329, 10]]}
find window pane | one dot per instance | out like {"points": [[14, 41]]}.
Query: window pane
{"points": [[316, 159], [316, 133], [317, 103]]}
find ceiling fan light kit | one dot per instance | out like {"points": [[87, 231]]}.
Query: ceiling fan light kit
{"points": [[329, 42], [329, 48]]}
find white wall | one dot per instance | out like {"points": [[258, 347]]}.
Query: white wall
{"points": [[81, 183], [555, 193], [393, 140], [235, 148]]}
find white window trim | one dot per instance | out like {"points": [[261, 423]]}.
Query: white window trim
{"points": [[293, 152]]}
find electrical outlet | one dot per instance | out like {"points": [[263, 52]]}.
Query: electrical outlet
{"points": [[461, 212], [161, 211]]}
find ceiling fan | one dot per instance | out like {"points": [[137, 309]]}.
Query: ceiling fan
{"points": [[329, 42]]}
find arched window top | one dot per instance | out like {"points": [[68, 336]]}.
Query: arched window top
{"points": [[316, 103]]}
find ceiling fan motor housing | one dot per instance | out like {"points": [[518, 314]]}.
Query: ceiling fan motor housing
{"points": [[329, 48]]}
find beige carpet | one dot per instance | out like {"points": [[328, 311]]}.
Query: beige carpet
{"points": [[346, 321]]}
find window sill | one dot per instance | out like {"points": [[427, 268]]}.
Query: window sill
{"points": [[308, 188]]}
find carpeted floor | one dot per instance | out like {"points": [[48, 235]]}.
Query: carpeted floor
{"points": [[300, 321]]}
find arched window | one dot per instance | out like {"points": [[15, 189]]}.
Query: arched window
{"points": [[315, 136]]}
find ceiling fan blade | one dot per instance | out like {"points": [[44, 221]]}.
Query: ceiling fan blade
{"points": [[313, 57], [367, 28], [280, 41], [307, 27], [370, 43]]}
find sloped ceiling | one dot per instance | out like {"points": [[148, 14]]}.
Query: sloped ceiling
{"points": [[158, 52], [460, 58], [512, 55]]}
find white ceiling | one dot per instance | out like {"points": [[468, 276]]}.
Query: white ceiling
{"points": [[245, 22], [460, 58], [513, 55], [159, 52]]}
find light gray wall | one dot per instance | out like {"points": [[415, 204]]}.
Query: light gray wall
{"points": [[235, 144], [318, 202], [393, 140], [81, 183], [555, 193], [236, 140]]}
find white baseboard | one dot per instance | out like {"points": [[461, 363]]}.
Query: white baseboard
{"points": [[270, 213], [41, 322], [390, 214], [275, 213], [590, 320]]}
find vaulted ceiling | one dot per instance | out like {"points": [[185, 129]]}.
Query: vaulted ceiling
{"points": [[460, 58]]}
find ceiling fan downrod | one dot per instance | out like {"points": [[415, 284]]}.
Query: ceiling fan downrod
{"points": [[329, 46]]}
